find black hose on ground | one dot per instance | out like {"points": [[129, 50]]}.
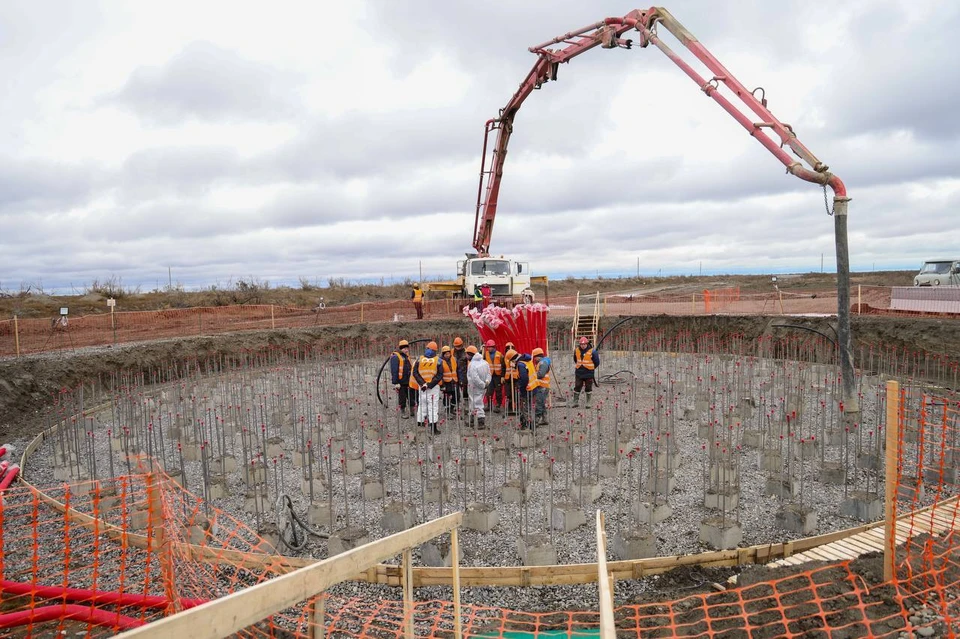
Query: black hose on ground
{"points": [[287, 519]]}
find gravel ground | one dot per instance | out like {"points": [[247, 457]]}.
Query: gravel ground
{"points": [[655, 398]]}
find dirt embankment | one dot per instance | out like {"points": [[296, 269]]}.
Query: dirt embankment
{"points": [[29, 383]]}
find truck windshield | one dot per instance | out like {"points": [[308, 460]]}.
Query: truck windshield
{"points": [[490, 267], [940, 268]]}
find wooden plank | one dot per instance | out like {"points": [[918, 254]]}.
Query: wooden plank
{"points": [[892, 425], [223, 617], [607, 628], [407, 595], [455, 565]]}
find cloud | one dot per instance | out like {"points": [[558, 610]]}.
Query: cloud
{"points": [[207, 82]]}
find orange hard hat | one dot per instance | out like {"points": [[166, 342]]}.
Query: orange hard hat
{"points": [[445, 349], [432, 346], [403, 343], [472, 349], [512, 354], [509, 345], [457, 341], [536, 352]]}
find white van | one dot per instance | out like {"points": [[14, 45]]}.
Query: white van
{"points": [[945, 272]]}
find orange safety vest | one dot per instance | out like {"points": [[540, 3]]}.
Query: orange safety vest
{"points": [[496, 364], [428, 370], [583, 360], [532, 381], [417, 294], [449, 370], [400, 359], [545, 380], [511, 372]]}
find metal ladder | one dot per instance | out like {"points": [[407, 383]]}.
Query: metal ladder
{"points": [[586, 320]]}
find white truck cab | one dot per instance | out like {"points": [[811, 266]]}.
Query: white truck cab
{"points": [[940, 272], [505, 277]]}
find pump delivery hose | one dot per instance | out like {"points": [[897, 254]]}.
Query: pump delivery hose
{"points": [[387, 361]]}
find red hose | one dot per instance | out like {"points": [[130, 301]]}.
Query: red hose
{"points": [[12, 473], [72, 612], [93, 596]]}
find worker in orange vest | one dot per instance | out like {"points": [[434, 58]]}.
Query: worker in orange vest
{"points": [[494, 360], [417, 296], [463, 360], [426, 379], [526, 385], [450, 382], [585, 361], [400, 368], [542, 364], [511, 387]]}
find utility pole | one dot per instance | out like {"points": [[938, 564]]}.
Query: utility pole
{"points": [[421, 272]]}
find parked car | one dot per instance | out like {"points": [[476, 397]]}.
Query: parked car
{"points": [[942, 272]]}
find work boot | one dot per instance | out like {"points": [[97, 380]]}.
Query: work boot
{"points": [[481, 423], [404, 413], [496, 409], [434, 430], [589, 403], [576, 399], [542, 420]]}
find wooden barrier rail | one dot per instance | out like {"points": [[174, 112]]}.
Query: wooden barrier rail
{"points": [[239, 610]]}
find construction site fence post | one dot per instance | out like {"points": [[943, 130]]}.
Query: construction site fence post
{"points": [[273, 323], [859, 297], [317, 612], [890, 484]]}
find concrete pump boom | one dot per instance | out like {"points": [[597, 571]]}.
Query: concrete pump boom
{"points": [[773, 134]]}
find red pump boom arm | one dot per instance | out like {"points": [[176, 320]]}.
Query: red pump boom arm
{"points": [[608, 34]]}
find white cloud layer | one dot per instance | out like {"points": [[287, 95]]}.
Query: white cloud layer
{"points": [[302, 139]]}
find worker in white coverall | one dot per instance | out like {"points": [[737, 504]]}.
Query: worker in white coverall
{"points": [[478, 378]]}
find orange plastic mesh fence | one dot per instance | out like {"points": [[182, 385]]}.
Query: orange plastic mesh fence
{"points": [[98, 557]]}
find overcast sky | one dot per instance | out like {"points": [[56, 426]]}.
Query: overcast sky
{"points": [[289, 140]]}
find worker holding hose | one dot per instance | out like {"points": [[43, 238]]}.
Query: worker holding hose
{"points": [[426, 379], [400, 368]]}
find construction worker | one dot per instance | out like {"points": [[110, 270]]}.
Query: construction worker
{"points": [[426, 379], [449, 379], [417, 296], [486, 292], [510, 384], [586, 360], [526, 385], [478, 378], [400, 368], [477, 298], [494, 360], [463, 359], [542, 364]]}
